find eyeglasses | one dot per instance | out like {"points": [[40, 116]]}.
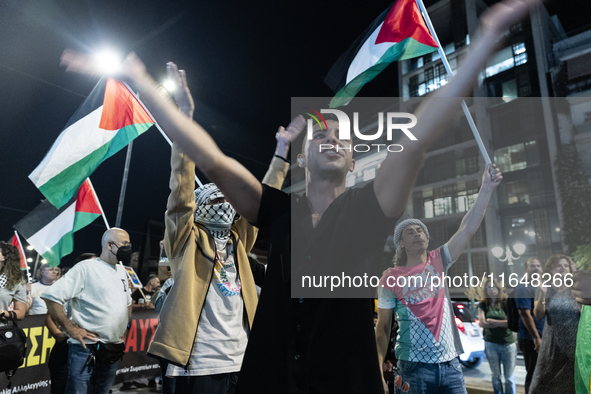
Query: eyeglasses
{"points": [[490, 287], [123, 244]]}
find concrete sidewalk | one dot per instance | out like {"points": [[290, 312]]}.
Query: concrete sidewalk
{"points": [[478, 386]]}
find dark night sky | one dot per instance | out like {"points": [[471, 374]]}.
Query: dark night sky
{"points": [[244, 61]]}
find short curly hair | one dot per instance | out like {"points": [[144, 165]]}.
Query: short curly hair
{"points": [[12, 265]]}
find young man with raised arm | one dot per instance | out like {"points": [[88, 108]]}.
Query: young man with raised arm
{"points": [[428, 343]]}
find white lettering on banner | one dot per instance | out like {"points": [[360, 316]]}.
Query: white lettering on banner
{"points": [[27, 387]]}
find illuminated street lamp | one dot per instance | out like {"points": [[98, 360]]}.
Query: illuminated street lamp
{"points": [[497, 251], [108, 62]]}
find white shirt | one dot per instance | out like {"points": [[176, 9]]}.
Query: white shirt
{"points": [[221, 335], [38, 307], [100, 298]]}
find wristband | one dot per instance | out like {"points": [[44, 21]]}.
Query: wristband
{"points": [[282, 158]]}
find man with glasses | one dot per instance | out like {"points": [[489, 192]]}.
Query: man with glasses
{"points": [[101, 306]]}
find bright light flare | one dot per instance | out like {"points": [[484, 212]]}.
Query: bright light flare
{"points": [[108, 62], [169, 85]]}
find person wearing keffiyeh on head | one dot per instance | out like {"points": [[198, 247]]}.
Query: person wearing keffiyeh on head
{"points": [[206, 320]]}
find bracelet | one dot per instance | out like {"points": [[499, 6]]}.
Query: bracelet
{"points": [[282, 158]]}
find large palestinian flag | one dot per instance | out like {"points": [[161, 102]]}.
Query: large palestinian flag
{"points": [[399, 33], [51, 231], [109, 119]]}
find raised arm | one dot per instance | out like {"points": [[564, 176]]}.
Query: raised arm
{"points": [[473, 218], [280, 163], [239, 186], [398, 173]]}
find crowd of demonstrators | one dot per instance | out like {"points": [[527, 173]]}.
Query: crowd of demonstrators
{"points": [[101, 308], [531, 328], [46, 276], [298, 334], [428, 343], [499, 343], [555, 369], [142, 298], [12, 284]]}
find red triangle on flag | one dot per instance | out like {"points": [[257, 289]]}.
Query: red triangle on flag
{"points": [[405, 21], [120, 108], [86, 201], [15, 241]]}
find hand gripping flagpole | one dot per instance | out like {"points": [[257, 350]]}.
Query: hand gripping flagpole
{"points": [[450, 72], [156, 124]]}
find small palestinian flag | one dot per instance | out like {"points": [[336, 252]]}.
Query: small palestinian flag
{"points": [[399, 33], [109, 119], [51, 231], [17, 242]]}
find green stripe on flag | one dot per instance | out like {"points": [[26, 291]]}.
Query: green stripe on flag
{"points": [[83, 219], [64, 247], [60, 189], [405, 49]]}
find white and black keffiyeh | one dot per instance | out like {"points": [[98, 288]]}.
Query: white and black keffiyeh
{"points": [[216, 218], [3, 280]]}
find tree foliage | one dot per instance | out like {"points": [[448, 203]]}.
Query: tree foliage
{"points": [[575, 191]]}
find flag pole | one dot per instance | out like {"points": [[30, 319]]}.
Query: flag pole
{"points": [[18, 239], [99, 204], [450, 72], [123, 185], [155, 123]]}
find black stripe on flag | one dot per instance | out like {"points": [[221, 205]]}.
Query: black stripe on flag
{"points": [[94, 100], [40, 217], [336, 78]]}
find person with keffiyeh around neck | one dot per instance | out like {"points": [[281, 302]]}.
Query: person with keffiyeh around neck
{"points": [[205, 324]]}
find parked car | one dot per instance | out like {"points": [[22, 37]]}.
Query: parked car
{"points": [[470, 335]]}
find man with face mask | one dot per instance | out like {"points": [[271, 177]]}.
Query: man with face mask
{"points": [[101, 306], [205, 322]]}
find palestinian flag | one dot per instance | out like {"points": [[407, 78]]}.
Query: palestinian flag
{"points": [[109, 119], [17, 242], [399, 33], [51, 231]]}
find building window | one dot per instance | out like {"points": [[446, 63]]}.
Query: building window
{"points": [[505, 59], [413, 86], [466, 166], [517, 192], [442, 206], [447, 201], [511, 158]]}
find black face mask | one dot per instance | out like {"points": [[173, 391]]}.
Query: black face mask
{"points": [[123, 253]]}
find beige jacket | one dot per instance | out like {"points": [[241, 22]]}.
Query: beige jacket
{"points": [[191, 253]]}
